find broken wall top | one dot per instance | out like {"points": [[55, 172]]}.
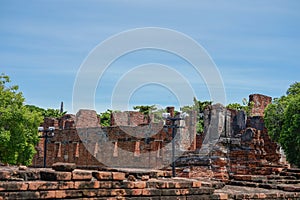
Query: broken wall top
{"points": [[260, 102]]}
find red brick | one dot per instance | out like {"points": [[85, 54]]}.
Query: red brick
{"points": [[8, 186], [129, 184], [136, 192], [102, 175], [59, 194], [140, 184], [81, 175], [196, 184], [105, 184], [118, 176], [86, 184], [5, 175], [66, 185], [50, 194], [55, 176], [117, 192]]}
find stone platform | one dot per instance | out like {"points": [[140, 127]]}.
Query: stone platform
{"points": [[70, 183]]}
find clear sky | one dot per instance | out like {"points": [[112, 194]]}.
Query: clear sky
{"points": [[254, 44]]}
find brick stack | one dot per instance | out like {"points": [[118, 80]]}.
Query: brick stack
{"points": [[90, 146], [85, 184]]}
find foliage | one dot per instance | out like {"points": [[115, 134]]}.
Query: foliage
{"points": [[282, 118], [198, 106], [56, 113], [146, 110], [105, 118], [247, 106], [158, 114], [18, 125]]}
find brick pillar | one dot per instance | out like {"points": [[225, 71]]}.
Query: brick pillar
{"points": [[170, 110], [260, 103], [137, 151], [115, 154]]}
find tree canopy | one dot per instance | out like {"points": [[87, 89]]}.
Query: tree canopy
{"points": [[282, 118], [49, 112], [198, 106], [247, 106], [18, 125]]}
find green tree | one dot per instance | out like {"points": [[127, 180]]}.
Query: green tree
{"points": [[146, 110], [247, 106], [49, 112], [105, 118], [18, 125], [282, 118], [198, 106]]}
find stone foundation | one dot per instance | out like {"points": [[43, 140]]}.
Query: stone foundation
{"points": [[67, 183]]}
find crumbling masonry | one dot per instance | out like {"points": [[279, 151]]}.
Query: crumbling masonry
{"points": [[242, 145]]}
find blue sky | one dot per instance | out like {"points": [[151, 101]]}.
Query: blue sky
{"points": [[254, 44]]}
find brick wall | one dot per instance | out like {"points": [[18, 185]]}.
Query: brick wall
{"points": [[260, 103], [81, 140], [242, 146]]}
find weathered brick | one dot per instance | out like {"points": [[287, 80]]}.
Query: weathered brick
{"points": [[81, 175], [105, 184], [140, 184], [196, 184], [56, 176], [5, 175], [59, 194], [90, 193], [136, 192], [24, 195], [151, 192], [170, 192], [86, 184], [118, 192], [129, 184], [50, 194], [116, 184], [65, 167], [102, 175], [118, 176], [10, 186], [103, 192], [66, 185]]}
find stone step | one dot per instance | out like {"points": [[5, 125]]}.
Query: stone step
{"points": [[284, 187], [294, 170], [277, 177], [284, 181], [287, 173]]}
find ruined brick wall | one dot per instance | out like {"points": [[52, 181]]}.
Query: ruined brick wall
{"points": [[233, 143], [87, 184], [260, 102], [129, 118], [81, 140]]}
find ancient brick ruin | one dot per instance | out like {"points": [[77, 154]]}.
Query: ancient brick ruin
{"points": [[129, 139], [241, 146], [233, 159]]}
